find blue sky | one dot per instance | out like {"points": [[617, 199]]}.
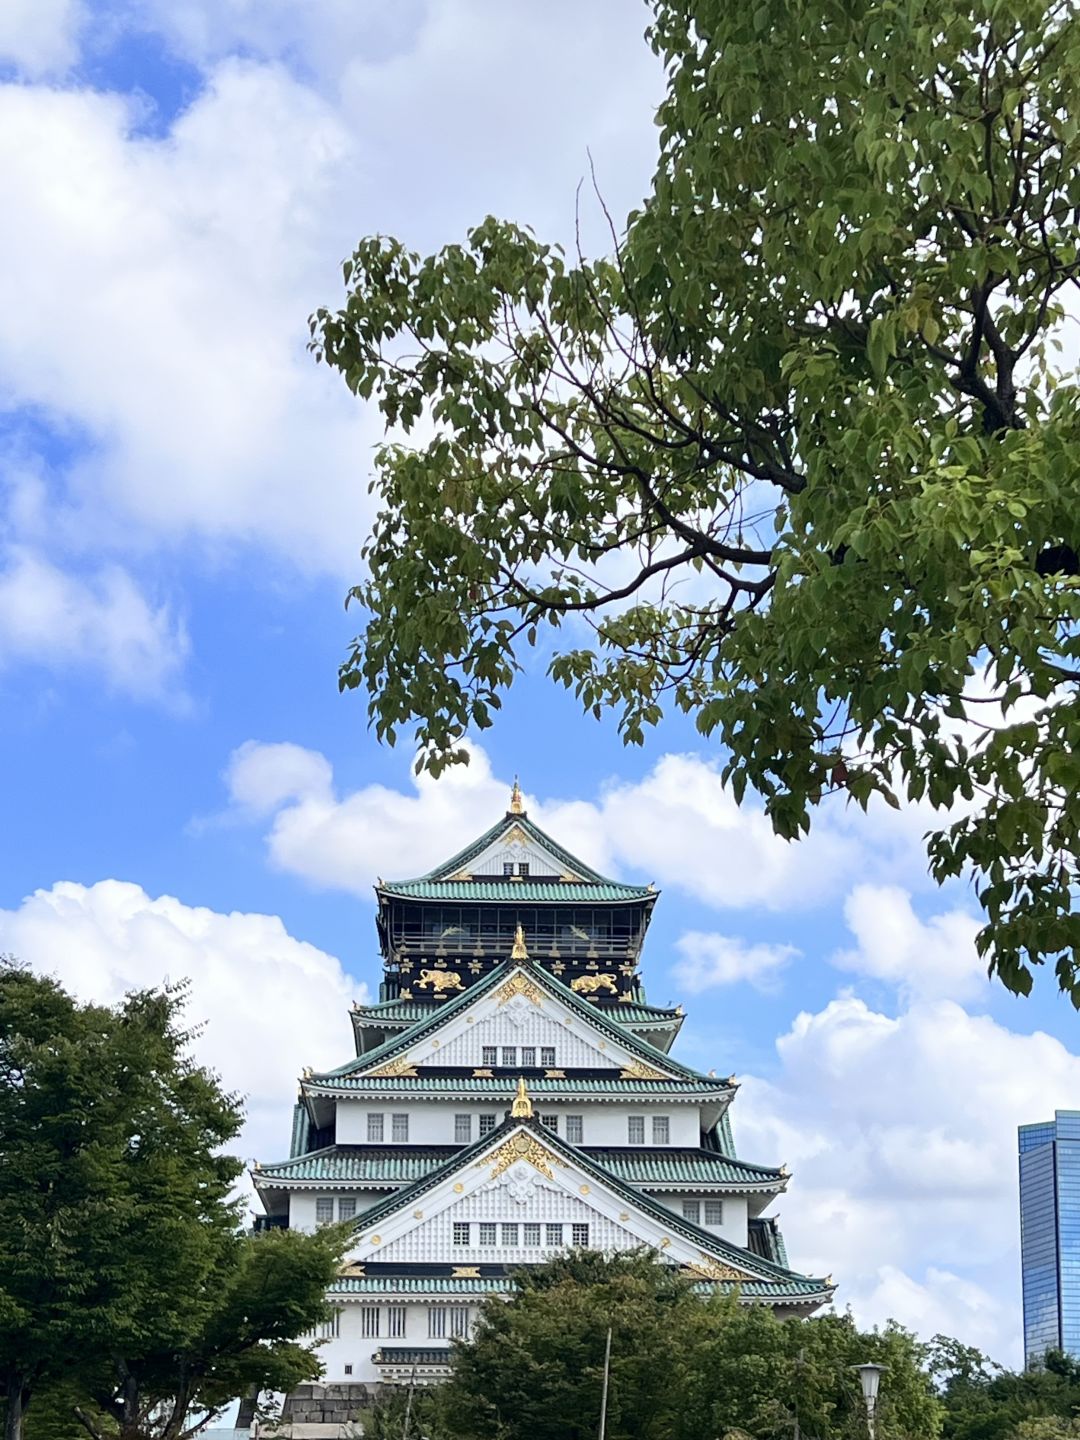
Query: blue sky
{"points": [[183, 496]]}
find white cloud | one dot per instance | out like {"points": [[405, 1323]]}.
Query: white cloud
{"points": [[901, 1132], [271, 1003], [677, 826], [710, 960], [40, 37], [102, 620], [932, 958]]}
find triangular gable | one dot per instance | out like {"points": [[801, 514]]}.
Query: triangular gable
{"points": [[517, 833], [532, 991], [520, 1174]]}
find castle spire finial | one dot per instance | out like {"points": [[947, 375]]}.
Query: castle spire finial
{"points": [[522, 1107], [517, 805], [519, 952]]}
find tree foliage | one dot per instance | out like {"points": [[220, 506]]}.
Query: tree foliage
{"points": [[682, 1367], [793, 459], [131, 1297], [983, 1401]]}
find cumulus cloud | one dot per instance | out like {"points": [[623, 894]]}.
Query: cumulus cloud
{"points": [[709, 960], [677, 826], [932, 958], [40, 37], [271, 1003], [901, 1132], [101, 619]]}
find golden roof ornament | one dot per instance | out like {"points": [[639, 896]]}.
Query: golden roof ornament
{"points": [[522, 1108], [517, 805], [519, 952]]}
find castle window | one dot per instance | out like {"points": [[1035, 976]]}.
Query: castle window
{"points": [[331, 1329], [575, 1129], [530, 1235], [508, 868], [461, 1232], [661, 1130], [553, 1235], [489, 1054], [369, 1321], [375, 1128], [346, 1208], [395, 1321], [581, 1235], [547, 1055], [691, 1210], [399, 1127], [462, 1129], [487, 1124], [324, 1210], [509, 1054], [487, 1233], [509, 1234], [459, 1322], [528, 1056], [436, 1322], [523, 869], [635, 1129], [550, 1122], [714, 1212]]}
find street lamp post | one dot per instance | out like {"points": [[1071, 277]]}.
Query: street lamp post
{"points": [[870, 1380]]}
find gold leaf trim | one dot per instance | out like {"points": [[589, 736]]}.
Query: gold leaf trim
{"points": [[401, 1066], [638, 1070], [709, 1268], [521, 1147], [519, 984], [590, 984]]}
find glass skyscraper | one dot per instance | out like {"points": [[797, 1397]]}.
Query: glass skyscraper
{"points": [[1050, 1235]]}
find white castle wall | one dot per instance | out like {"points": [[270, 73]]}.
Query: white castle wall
{"points": [[432, 1122]]}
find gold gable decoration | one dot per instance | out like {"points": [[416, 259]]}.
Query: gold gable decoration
{"points": [[520, 950], [522, 1108], [439, 980], [638, 1070], [519, 984], [521, 1147], [707, 1267], [394, 1068], [591, 984]]}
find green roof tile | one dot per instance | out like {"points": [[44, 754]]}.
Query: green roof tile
{"points": [[532, 892], [795, 1287], [400, 1165], [503, 1089]]}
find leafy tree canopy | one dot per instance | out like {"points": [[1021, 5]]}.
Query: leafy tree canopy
{"points": [[983, 1401], [794, 459], [131, 1297], [682, 1368]]}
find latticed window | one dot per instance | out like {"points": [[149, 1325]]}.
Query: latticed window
{"points": [[528, 1055], [395, 1321], [461, 1232], [691, 1210], [487, 1124], [508, 867], [530, 1235], [509, 1234], [714, 1212], [487, 1233], [436, 1322], [399, 1127], [346, 1207], [324, 1210], [661, 1130], [369, 1321], [462, 1129], [550, 1122], [575, 1129], [331, 1329], [580, 1234], [635, 1129], [523, 869], [509, 1054], [375, 1128], [547, 1055], [489, 1054], [459, 1322], [553, 1234]]}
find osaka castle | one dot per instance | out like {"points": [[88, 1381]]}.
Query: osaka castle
{"points": [[513, 1096]]}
